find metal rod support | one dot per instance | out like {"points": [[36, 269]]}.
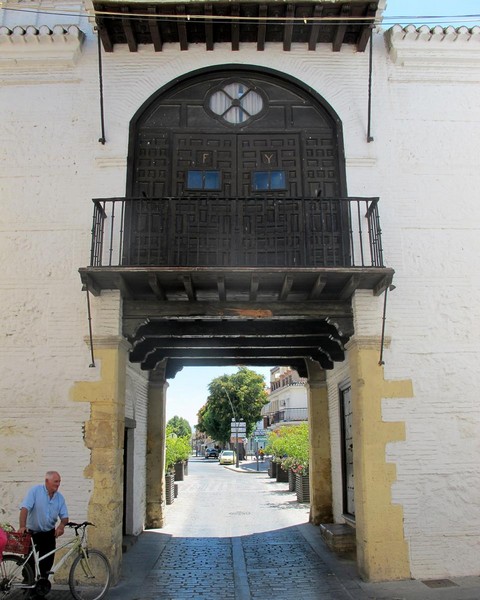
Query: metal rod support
{"points": [[100, 80], [370, 69], [381, 362], [92, 364]]}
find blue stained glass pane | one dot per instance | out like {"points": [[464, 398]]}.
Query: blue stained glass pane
{"points": [[212, 180], [194, 180], [260, 181], [277, 180]]}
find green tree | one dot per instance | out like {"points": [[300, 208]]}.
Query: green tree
{"points": [[245, 391], [180, 426]]}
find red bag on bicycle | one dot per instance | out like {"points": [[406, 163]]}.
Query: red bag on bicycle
{"points": [[3, 542]]}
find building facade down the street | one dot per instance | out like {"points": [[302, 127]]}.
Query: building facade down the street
{"points": [[244, 183], [288, 399]]}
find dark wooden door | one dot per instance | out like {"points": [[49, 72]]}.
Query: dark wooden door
{"points": [[235, 138], [347, 435]]}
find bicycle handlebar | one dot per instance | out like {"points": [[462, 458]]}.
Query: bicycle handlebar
{"points": [[77, 526]]}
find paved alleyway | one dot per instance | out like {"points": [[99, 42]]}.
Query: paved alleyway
{"points": [[239, 535], [242, 536]]}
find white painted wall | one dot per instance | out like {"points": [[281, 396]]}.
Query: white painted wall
{"points": [[424, 166]]}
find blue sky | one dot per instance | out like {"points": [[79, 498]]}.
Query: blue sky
{"points": [[188, 391], [443, 12]]}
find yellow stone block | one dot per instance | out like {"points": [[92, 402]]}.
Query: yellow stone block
{"points": [[382, 551], [104, 434]]}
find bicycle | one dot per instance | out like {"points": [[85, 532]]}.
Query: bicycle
{"points": [[89, 577]]}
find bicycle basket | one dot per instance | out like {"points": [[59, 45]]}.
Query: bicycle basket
{"points": [[18, 543]]}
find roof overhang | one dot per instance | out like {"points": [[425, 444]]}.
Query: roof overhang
{"points": [[310, 22]]}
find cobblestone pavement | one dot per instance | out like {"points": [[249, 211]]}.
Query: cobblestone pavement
{"points": [[233, 536], [239, 535]]}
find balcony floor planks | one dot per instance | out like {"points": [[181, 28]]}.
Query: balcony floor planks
{"points": [[235, 285]]}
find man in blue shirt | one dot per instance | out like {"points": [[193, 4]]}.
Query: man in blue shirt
{"points": [[40, 511]]}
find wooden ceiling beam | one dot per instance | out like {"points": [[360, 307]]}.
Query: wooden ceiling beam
{"points": [[222, 290], [382, 285], [189, 289], [262, 27], [237, 357], [349, 288], [286, 287], [209, 27], [254, 283], [151, 316], [235, 26], [104, 36], [124, 288], [341, 29], [154, 27], [156, 288], [366, 30], [188, 328], [327, 343], [90, 285], [288, 30], [315, 29], [128, 30], [182, 27], [317, 288], [174, 366]]}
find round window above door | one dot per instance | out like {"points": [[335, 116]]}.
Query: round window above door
{"points": [[235, 102]]}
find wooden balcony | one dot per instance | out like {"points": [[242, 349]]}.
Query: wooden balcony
{"points": [[222, 281], [252, 250]]}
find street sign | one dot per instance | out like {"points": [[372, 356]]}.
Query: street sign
{"points": [[259, 432], [239, 427]]}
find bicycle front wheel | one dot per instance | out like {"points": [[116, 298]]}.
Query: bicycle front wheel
{"points": [[14, 576], [90, 576]]}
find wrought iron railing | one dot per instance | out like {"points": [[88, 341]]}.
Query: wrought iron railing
{"points": [[236, 232], [288, 415]]}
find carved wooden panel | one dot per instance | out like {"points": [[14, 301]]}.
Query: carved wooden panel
{"points": [[152, 167], [204, 151], [267, 151], [321, 174]]}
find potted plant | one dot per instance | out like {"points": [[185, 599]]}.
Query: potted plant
{"points": [[289, 446], [177, 452]]}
